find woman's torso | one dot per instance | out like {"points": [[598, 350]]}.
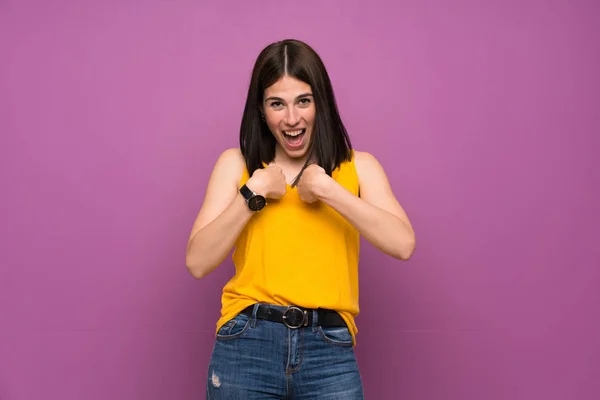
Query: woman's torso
{"points": [[297, 253]]}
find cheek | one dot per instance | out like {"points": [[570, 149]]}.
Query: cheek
{"points": [[272, 122], [310, 116]]}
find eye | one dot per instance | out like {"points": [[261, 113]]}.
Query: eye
{"points": [[276, 104], [305, 101]]}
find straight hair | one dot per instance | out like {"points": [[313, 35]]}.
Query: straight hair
{"points": [[330, 144]]}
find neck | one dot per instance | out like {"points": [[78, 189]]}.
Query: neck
{"points": [[283, 159]]}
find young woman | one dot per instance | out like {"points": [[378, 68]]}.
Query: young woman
{"points": [[292, 201]]}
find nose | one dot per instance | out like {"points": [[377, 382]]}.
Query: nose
{"points": [[293, 117]]}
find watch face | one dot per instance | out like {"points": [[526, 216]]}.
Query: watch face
{"points": [[256, 203]]}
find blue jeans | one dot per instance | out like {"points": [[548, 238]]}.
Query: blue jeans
{"points": [[260, 359]]}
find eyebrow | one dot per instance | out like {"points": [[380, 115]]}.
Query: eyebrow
{"points": [[297, 97]]}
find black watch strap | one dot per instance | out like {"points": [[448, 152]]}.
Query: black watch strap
{"points": [[246, 192]]}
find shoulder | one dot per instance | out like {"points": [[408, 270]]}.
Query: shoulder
{"points": [[367, 165], [230, 164], [231, 159], [363, 157], [231, 156]]}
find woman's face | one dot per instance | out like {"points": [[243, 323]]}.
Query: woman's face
{"points": [[289, 111]]}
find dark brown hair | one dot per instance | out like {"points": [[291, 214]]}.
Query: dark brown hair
{"points": [[330, 144]]}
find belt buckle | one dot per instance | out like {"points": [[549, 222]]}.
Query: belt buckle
{"points": [[302, 319]]}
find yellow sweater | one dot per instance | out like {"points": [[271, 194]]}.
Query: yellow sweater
{"points": [[296, 253]]}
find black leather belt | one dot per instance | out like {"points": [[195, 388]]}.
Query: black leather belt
{"points": [[295, 317]]}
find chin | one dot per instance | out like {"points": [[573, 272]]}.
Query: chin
{"points": [[300, 153]]}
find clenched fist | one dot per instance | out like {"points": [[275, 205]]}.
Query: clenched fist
{"points": [[268, 182], [313, 183]]}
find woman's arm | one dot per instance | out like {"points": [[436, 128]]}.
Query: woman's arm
{"points": [[376, 214], [223, 215]]}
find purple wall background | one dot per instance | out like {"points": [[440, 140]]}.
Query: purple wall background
{"points": [[484, 114]]}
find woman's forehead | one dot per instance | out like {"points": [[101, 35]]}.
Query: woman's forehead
{"points": [[287, 87]]}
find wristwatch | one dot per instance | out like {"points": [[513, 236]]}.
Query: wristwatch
{"points": [[255, 201]]}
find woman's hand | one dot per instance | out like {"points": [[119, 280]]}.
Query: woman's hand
{"points": [[313, 183]]}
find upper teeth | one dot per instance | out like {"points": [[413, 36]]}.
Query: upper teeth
{"points": [[294, 133]]}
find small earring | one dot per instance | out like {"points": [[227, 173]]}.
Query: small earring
{"points": [[262, 116]]}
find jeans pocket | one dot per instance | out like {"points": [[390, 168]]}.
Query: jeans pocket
{"points": [[234, 328], [339, 335]]}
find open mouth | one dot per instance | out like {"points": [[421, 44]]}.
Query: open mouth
{"points": [[294, 138]]}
